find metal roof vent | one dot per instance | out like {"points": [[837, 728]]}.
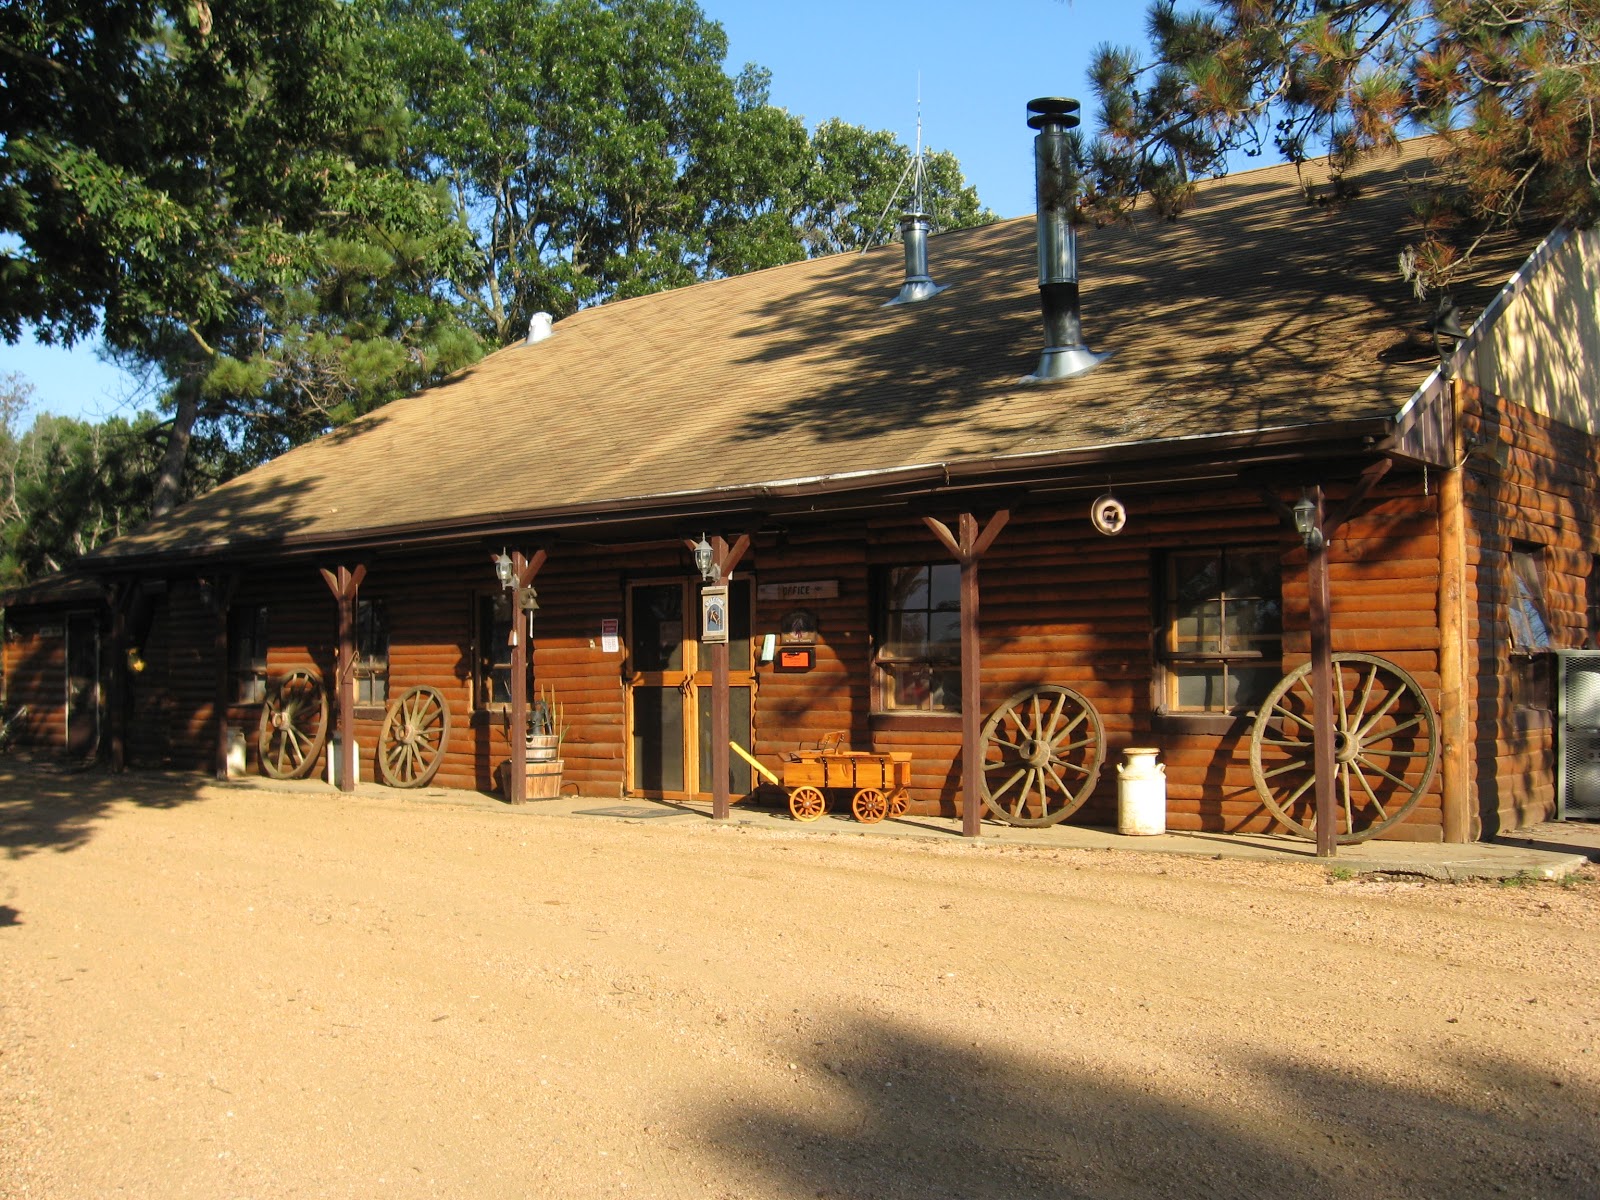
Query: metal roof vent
{"points": [[539, 328], [919, 285], [1056, 185]]}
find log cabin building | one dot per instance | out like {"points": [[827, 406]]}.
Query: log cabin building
{"points": [[923, 509]]}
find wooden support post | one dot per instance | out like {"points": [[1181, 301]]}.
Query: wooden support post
{"points": [[222, 600], [968, 550], [523, 570], [727, 558], [345, 584], [123, 593], [1455, 762], [1322, 730]]}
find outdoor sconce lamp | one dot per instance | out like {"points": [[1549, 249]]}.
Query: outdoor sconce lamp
{"points": [[702, 561], [1305, 521], [504, 570]]}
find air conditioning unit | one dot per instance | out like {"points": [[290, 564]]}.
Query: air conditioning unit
{"points": [[1578, 734]]}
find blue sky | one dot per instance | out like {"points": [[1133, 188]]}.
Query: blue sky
{"points": [[980, 62]]}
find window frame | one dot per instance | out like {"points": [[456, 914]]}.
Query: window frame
{"points": [[249, 652], [371, 669], [1531, 642], [886, 665], [484, 639], [1170, 663]]}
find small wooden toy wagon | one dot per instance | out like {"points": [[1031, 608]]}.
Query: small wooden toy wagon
{"points": [[878, 781]]}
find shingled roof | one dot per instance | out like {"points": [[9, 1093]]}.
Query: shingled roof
{"points": [[1258, 313]]}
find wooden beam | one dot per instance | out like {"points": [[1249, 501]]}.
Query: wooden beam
{"points": [[222, 592], [968, 547], [345, 584], [727, 558], [1322, 730], [523, 571], [123, 592], [1455, 760]]}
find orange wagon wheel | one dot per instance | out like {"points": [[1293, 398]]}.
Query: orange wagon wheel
{"points": [[294, 725], [869, 806], [898, 802], [807, 803], [415, 732]]}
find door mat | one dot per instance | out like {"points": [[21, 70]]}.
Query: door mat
{"points": [[625, 811]]}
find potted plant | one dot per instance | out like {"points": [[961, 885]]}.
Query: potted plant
{"points": [[547, 729]]}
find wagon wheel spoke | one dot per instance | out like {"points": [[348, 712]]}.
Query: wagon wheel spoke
{"points": [[293, 725], [414, 737], [1042, 751], [1386, 735]]}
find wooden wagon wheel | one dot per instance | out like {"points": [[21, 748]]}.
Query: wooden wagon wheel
{"points": [[807, 803], [899, 801], [294, 725], [1385, 747], [415, 731], [1042, 753], [869, 805]]}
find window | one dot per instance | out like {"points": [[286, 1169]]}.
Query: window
{"points": [[372, 652], [247, 652], [918, 657], [1530, 630], [1221, 643], [493, 683]]}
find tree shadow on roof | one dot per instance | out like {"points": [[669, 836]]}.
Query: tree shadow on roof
{"points": [[1256, 310]]}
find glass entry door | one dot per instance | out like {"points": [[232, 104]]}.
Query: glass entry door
{"points": [[669, 691]]}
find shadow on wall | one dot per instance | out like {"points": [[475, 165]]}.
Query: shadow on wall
{"points": [[914, 1116]]}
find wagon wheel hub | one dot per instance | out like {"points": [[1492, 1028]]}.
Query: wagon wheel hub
{"points": [[1346, 748], [1035, 752]]}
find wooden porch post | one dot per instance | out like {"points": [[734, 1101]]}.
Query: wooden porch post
{"points": [[1322, 730], [969, 550], [1455, 763], [727, 558], [123, 592], [345, 584], [523, 569], [222, 598]]}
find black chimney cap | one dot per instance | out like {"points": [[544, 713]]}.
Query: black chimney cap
{"points": [[1053, 110]]}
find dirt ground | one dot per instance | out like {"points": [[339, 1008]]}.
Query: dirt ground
{"points": [[227, 992]]}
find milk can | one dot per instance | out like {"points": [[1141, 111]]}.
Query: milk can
{"points": [[1141, 792]]}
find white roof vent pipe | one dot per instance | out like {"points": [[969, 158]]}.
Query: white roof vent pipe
{"points": [[919, 285], [1056, 185], [539, 328]]}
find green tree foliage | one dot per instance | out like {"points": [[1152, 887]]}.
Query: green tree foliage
{"points": [[1511, 87], [214, 189], [599, 150], [67, 485]]}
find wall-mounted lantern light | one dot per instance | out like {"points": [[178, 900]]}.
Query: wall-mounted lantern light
{"points": [[709, 571], [504, 570], [1305, 521]]}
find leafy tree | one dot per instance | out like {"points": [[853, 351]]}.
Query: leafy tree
{"points": [[1510, 86], [599, 150], [214, 190]]}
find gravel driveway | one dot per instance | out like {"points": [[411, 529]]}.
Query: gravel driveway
{"points": [[223, 992]]}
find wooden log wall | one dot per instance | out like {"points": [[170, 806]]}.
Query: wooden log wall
{"points": [[36, 675], [1061, 604], [1530, 481]]}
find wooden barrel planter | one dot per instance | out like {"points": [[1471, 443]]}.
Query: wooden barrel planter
{"points": [[544, 767]]}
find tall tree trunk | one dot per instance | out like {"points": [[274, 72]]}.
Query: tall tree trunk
{"points": [[169, 479]]}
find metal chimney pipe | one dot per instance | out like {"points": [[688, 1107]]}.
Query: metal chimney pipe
{"points": [[919, 285], [1056, 185]]}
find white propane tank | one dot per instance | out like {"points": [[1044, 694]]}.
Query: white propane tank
{"points": [[1141, 793]]}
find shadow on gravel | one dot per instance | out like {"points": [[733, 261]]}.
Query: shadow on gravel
{"points": [[52, 808], [914, 1117]]}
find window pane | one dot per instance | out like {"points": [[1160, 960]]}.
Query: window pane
{"points": [[908, 588], [946, 587], [1196, 578], [1198, 628], [906, 635], [944, 635], [1199, 688], [1252, 573], [1249, 685], [656, 628], [1252, 623], [912, 683], [945, 695]]}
